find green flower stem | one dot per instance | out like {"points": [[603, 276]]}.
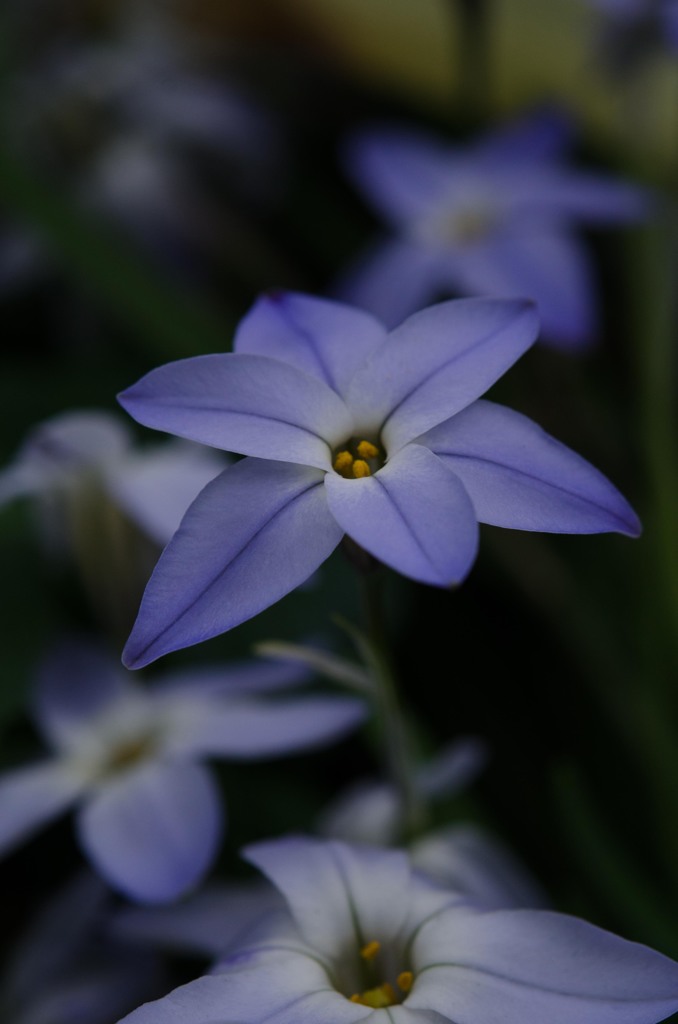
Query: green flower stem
{"points": [[473, 56], [391, 717]]}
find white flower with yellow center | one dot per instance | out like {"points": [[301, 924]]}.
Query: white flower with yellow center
{"points": [[366, 939]]}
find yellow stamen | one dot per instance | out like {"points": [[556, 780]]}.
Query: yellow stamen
{"points": [[343, 462], [404, 981], [377, 998], [361, 469], [369, 951], [367, 450]]}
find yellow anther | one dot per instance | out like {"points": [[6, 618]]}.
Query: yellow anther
{"points": [[367, 450], [369, 951], [376, 998], [360, 469], [343, 462], [404, 981]]}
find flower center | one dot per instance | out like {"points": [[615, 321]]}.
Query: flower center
{"points": [[357, 458], [385, 993], [129, 753]]}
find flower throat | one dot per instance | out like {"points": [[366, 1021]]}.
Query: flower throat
{"points": [[357, 458]]}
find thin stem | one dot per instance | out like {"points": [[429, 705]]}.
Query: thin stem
{"points": [[474, 58], [391, 719]]}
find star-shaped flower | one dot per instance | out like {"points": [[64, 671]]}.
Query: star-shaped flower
{"points": [[367, 939], [494, 217], [351, 430], [148, 812]]}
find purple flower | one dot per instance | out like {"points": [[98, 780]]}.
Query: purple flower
{"points": [[350, 430], [495, 217], [149, 814], [366, 938]]}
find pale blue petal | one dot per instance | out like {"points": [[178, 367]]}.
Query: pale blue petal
{"points": [[76, 682], [243, 403], [340, 896], [326, 339], [203, 1001], [32, 797], [470, 861], [588, 198], [407, 1015], [543, 263], [237, 678], [273, 983], [521, 478], [152, 833], [246, 729], [531, 966], [413, 515], [393, 280], [454, 767], [543, 134], [403, 173], [436, 363], [250, 537]]}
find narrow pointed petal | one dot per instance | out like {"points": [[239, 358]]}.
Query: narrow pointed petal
{"points": [[326, 339], [437, 362], [413, 515], [243, 403], [547, 265], [521, 478], [590, 198], [76, 682], [330, 889], [247, 729], [543, 134], [154, 832], [236, 678], [403, 173], [32, 797], [250, 537], [530, 966], [393, 280]]}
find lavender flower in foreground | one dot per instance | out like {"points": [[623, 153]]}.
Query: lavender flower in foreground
{"points": [[149, 814], [365, 937], [495, 217], [351, 430]]}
